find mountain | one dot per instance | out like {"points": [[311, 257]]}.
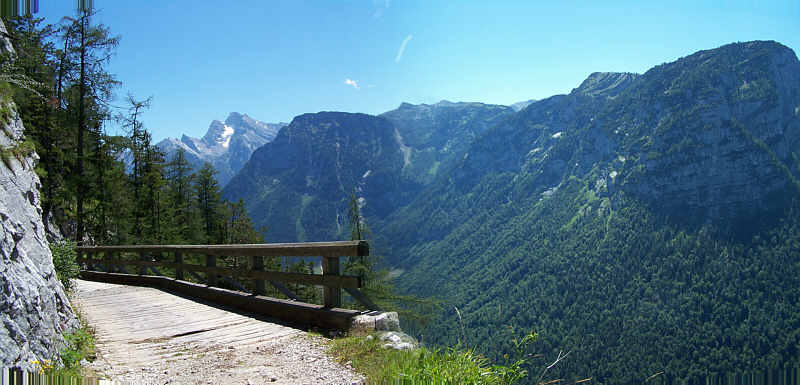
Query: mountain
{"points": [[227, 146], [433, 136], [519, 106], [645, 223], [298, 185]]}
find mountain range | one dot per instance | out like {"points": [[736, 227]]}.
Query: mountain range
{"points": [[226, 145], [646, 222]]}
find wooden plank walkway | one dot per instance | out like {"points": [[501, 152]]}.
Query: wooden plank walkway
{"points": [[141, 329]]}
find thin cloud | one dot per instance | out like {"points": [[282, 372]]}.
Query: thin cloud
{"points": [[402, 48], [351, 82], [379, 11]]}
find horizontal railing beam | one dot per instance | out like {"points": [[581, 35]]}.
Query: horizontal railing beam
{"points": [[307, 249], [341, 281]]}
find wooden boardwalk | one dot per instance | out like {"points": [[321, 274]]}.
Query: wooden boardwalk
{"points": [[137, 325], [140, 329]]}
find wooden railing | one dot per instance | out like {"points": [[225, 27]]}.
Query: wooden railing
{"points": [[113, 259]]}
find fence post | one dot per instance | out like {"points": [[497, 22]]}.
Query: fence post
{"points": [[260, 285], [87, 255], [179, 268], [211, 278], [108, 261], [332, 296], [142, 268]]}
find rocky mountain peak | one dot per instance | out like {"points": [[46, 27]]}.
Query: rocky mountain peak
{"points": [[218, 134], [236, 119], [226, 145], [608, 84]]}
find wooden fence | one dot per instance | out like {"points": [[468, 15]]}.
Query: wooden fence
{"points": [[113, 259]]}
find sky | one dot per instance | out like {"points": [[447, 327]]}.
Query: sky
{"points": [[273, 60]]}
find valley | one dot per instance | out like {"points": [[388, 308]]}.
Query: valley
{"points": [[645, 222]]}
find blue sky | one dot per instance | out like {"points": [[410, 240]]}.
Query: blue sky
{"points": [[274, 60]]}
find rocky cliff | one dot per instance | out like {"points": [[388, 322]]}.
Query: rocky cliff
{"points": [[299, 183], [34, 310], [434, 136]]}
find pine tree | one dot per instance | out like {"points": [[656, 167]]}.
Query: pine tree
{"points": [[178, 173], [208, 199], [87, 49], [138, 143]]}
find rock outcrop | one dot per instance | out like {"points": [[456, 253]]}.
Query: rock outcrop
{"points": [[34, 309]]}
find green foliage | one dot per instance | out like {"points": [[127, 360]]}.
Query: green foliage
{"points": [[628, 293], [80, 346], [422, 365], [64, 257], [21, 150]]}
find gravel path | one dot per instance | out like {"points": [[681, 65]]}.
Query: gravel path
{"points": [[148, 336]]}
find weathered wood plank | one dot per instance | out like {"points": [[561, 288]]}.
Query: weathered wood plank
{"points": [[211, 272], [178, 265], [331, 296], [306, 249], [258, 265], [292, 311], [342, 281]]}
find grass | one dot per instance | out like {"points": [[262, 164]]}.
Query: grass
{"points": [[80, 345], [422, 365]]}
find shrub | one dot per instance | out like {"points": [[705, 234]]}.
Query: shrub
{"points": [[64, 258]]}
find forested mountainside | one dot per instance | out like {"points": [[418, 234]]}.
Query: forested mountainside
{"points": [[646, 223], [298, 185], [226, 145]]}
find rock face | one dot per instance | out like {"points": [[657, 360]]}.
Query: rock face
{"points": [[226, 145], [433, 136], [299, 183], [34, 310], [718, 132]]}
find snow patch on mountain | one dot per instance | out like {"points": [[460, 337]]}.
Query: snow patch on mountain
{"points": [[225, 138]]}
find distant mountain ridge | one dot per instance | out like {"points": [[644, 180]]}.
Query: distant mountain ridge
{"points": [[300, 182], [226, 145], [518, 106]]}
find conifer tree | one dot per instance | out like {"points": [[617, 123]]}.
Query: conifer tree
{"points": [[207, 197], [87, 49], [178, 173]]}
